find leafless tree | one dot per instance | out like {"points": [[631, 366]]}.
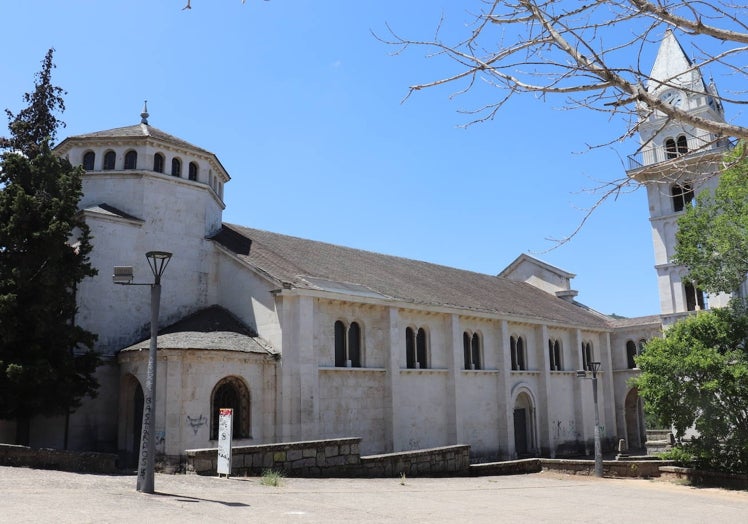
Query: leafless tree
{"points": [[593, 54], [590, 52]]}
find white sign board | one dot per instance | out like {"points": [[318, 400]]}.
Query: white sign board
{"points": [[225, 427]]}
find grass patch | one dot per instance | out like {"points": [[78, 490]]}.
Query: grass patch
{"points": [[271, 477]]}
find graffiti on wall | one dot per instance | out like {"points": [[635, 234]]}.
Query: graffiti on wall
{"points": [[197, 422]]}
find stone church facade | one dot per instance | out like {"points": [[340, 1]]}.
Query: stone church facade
{"points": [[308, 340]]}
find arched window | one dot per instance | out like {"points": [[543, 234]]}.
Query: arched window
{"points": [[131, 160], [109, 159], [354, 344], [415, 348], [694, 298], [88, 160], [682, 145], [472, 350], [231, 392], [176, 167], [421, 349], [670, 149], [518, 353], [630, 354], [587, 355], [682, 196], [554, 355], [192, 171], [347, 345], [158, 163]]}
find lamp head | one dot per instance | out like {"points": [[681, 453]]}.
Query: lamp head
{"points": [[158, 260]]}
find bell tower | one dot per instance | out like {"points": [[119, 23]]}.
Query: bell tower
{"points": [[675, 161]]}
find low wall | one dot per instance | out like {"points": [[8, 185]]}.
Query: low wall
{"points": [[77, 461], [704, 478], [332, 458], [512, 467], [447, 460], [311, 458], [611, 468]]}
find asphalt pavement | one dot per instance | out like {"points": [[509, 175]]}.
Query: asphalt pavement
{"points": [[40, 496]]}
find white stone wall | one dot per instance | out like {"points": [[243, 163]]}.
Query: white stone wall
{"points": [[184, 386]]}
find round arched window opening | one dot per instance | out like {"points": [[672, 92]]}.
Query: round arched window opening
{"points": [[232, 393]]}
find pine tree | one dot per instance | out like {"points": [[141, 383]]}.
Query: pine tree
{"points": [[46, 361]]}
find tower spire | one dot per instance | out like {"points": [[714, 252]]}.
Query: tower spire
{"points": [[144, 115]]}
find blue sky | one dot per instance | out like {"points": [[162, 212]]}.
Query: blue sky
{"points": [[304, 108]]}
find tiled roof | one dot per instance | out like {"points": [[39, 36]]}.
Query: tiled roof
{"points": [[141, 131], [111, 211], [621, 323], [212, 328], [307, 264]]}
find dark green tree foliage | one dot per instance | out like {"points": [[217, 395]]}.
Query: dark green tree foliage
{"points": [[697, 377], [712, 238], [46, 362], [37, 123]]}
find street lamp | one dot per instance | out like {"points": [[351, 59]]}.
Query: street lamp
{"points": [[595, 367], [157, 260]]}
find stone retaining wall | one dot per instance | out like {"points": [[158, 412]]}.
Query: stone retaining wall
{"points": [[611, 468], [312, 458], [63, 460], [332, 458], [512, 467], [447, 460]]}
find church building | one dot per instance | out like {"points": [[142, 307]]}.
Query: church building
{"points": [[307, 340]]}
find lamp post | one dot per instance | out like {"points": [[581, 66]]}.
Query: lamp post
{"points": [[157, 260], [595, 367]]}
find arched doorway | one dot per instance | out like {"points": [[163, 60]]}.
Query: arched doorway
{"points": [[233, 393], [132, 418], [634, 415], [524, 426]]}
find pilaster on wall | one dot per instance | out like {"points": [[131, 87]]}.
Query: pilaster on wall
{"points": [[608, 399], [544, 392], [579, 422], [453, 378], [172, 422], [506, 411], [298, 387], [393, 439]]}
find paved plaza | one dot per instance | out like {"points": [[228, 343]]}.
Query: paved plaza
{"points": [[30, 495]]}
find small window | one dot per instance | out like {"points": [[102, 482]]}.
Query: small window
{"points": [[193, 171], [682, 145], [670, 149], [158, 163], [630, 354], [472, 350], [347, 345], [518, 353], [586, 355], [682, 196], [131, 160], [554, 355], [415, 348], [176, 167], [694, 298], [88, 160], [231, 393], [109, 159]]}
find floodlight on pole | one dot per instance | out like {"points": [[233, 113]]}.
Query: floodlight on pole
{"points": [[157, 261]]}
